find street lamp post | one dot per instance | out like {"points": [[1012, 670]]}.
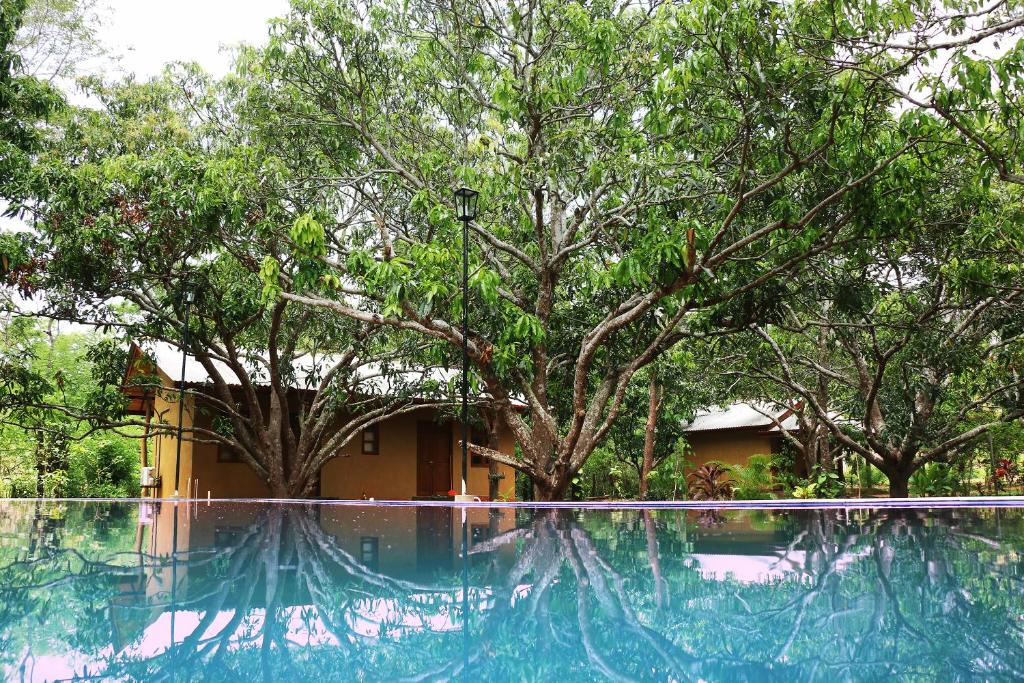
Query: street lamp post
{"points": [[188, 299], [465, 206]]}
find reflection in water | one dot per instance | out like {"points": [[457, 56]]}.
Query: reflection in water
{"points": [[322, 592]]}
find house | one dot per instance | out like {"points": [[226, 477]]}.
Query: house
{"points": [[415, 454], [731, 434]]}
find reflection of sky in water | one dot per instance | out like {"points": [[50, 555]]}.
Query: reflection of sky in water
{"points": [[320, 592]]}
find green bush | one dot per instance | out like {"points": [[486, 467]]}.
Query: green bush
{"points": [[104, 468], [820, 484], [20, 485], [754, 481], [867, 476], [783, 465], [935, 479]]}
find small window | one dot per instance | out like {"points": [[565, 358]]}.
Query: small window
{"points": [[369, 552], [371, 440], [478, 437]]}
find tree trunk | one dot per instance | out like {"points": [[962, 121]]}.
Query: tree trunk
{"points": [[652, 425], [551, 489], [279, 487], [494, 475], [822, 446], [40, 466], [675, 475]]}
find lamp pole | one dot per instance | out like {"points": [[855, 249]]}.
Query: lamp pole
{"points": [[465, 203], [465, 597], [465, 354], [188, 298]]}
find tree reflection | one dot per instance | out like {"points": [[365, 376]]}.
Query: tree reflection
{"points": [[308, 592]]}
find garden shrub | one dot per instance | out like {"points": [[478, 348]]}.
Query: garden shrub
{"points": [[935, 479], [753, 481]]}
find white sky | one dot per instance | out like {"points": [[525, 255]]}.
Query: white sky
{"points": [[150, 33]]}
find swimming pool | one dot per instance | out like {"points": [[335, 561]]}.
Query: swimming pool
{"points": [[303, 591]]}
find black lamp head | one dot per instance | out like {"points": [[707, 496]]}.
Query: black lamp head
{"points": [[465, 203]]}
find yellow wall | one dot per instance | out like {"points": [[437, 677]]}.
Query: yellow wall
{"points": [[733, 447], [222, 479], [391, 475], [162, 454], [477, 484]]}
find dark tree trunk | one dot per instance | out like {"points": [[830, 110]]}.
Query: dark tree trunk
{"points": [[494, 475], [552, 489], [899, 484], [822, 445], [649, 433]]}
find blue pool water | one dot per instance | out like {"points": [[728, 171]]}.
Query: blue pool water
{"points": [[258, 591]]}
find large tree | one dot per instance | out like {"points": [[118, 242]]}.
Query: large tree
{"points": [[646, 170], [59, 39], [907, 349], [148, 198]]}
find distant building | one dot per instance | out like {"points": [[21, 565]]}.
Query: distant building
{"points": [[731, 434]]}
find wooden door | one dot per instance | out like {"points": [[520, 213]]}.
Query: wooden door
{"points": [[433, 458]]}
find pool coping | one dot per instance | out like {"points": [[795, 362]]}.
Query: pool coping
{"points": [[785, 504]]}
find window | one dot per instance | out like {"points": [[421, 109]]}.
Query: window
{"points": [[371, 440], [369, 551], [478, 437]]}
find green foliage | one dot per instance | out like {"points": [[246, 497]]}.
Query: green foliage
{"points": [[606, 476], [755, 480], [681, 389], [104, 468], [868, 477], [54, 393], [25, 102], [648, 175], [820, 484], [58, 38], [783, 466], [600, 233], [936, 479], [907, 346]]}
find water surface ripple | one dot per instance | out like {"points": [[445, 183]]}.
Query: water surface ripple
{"points": [[246, 591]]}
